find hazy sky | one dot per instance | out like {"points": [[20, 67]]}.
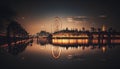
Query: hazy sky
{"points": [[36, 15]]}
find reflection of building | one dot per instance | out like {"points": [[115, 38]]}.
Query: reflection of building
{"points": [[69, 41]]}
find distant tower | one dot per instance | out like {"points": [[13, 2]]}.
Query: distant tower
{"points": [[51, 29], [103, 28]]}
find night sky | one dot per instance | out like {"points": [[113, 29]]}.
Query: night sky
{"points": [[30, 12]]}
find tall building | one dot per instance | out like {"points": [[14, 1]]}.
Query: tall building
{"points": [[103, 28]]}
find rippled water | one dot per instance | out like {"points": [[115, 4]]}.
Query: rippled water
{"points": [[61, 54]]}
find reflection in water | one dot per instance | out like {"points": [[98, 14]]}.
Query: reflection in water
{"points": [[15, 49], [103, 49], [60, 45], [69, 41], [56, 52], [70, 52], [84, 41]]}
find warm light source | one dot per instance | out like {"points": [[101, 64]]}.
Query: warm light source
{"points": [[103, 49], [70, 19], [103, 28]]}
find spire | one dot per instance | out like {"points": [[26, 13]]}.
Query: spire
{"points": [[103, 28]]}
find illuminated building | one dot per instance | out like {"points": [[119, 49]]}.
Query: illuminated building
{"points": [[103, 28]]}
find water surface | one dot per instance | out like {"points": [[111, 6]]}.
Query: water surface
{"points": [[64, 53]]}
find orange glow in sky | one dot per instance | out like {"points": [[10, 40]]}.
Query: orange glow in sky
{"points": [[48, 24]]}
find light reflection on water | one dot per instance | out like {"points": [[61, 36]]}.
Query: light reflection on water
{"points": [[62, 53], [63, 48], [82, 41], [70, 47]]}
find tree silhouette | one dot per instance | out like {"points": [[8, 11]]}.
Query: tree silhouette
{"points": [[83, 29], [6, 16], [17, 31], [92, 29]]}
